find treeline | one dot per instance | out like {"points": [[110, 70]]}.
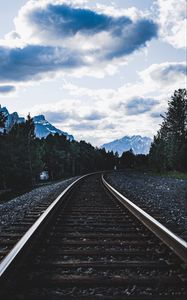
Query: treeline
{"points": [[129, 160], [23, 157], [169, 148]]}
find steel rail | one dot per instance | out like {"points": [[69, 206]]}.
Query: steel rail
{"points": [[174, 242], [11, 256]]}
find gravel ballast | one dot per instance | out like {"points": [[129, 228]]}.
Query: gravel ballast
{"points": [[163, 198], [17, 208]]}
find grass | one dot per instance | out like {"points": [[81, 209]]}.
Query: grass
{"points": [[172, 174]]}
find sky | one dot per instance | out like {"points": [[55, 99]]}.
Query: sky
{"points": [[99, 70]]}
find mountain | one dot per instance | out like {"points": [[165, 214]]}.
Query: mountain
{"points": [[11, 119], [42, 127], [139, 144]]}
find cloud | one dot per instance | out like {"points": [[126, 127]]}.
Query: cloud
{"points": [[70, 115], [12, 35], [73, 112], [138, 105], [113, 113], [95, 116], [166, 74], [95, 94], [54, 37], [122, 36], [57, 116], [131, 38], [156, 115], [109, 126], [33, 62], [5, 89], [172, 18], [51, 21], [62, 21], [84, 126], [146, 97], [84, 28]]}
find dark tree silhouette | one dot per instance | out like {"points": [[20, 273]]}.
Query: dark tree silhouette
{"points": [[128, 159], [169, 148]]}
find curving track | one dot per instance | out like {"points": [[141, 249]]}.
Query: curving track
{"points": [[91, 247]]}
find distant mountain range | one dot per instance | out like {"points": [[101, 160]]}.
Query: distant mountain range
{"points": [[139, 144], [42, 127]]}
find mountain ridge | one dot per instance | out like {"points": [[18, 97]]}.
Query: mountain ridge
{"points": [[139, 144], [42, 127]]}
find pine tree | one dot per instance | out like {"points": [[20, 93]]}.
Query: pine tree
{"points": [[169, 148], [176, 119], [20, 145], [128, 159], [2, 119]]}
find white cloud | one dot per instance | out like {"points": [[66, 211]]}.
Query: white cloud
{"points": [[95, 94], [58, 38], [110, 118], [158, 80], [40, 52], [173, 20], [166, 75]]}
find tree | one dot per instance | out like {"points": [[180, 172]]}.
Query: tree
{"points": [[17, 155], [56, 156], [168, 150], [2, 119], [141, 161], [4, 161], [127, 159], [176, 122]]}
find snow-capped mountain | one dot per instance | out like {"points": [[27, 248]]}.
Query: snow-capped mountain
{"points": [[42, 127], [139, 144], [11, 119]]}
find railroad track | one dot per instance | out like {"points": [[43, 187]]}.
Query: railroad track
{"points": [[87, 245]]}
